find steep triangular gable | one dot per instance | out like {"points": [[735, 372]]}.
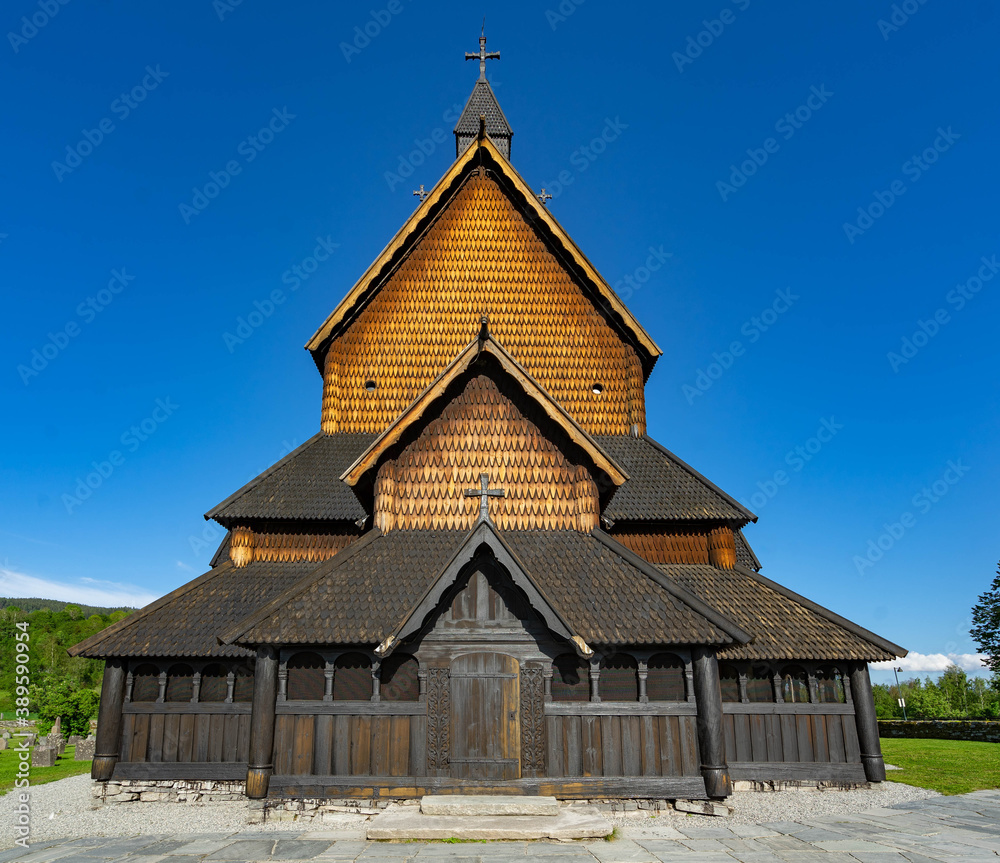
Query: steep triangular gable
{"points": [[482, 153], [475, 351]]}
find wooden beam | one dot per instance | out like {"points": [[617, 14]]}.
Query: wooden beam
{"points": [[109, 721], [708, 698], [801, 771], [191, 771], [867, 723], [265, 691]]}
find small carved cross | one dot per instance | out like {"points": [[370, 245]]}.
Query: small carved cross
{"points": [[484, 493], [421, 193], [543, 197], [483, 55]]}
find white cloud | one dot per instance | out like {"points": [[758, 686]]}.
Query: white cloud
{"points": [[933, 662], [87, 591]]}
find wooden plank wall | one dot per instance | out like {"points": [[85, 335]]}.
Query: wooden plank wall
{"points": [[185, 737], [621, 745], [791, 737], [350, 745]]}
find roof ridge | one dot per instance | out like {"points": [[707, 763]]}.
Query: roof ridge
{"points": [[823, 611], [230, 635], [685, 466], [236, 495], [95, 639], [697, 605]]}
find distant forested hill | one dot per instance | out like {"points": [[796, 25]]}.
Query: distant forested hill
{"points": [[35, 604]]}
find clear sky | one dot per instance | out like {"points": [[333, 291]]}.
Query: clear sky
{"points": [[145, 214]]}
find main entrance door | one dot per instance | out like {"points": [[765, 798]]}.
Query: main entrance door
{"points": [[485, 727]]}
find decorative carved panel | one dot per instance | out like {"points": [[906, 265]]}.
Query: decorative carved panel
{"points": [[438, 718], [532, 720]]}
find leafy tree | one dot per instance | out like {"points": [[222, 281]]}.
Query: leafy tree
{"points": [[986, 624], [76, 707]]}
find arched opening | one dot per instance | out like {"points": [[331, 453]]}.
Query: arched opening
{"points": [[729, 681], [619, 679], [830, 685], [665, 679], [243, 684], [570, 678], [795, 685], [214, 683], [352, 678], [399, 680], [306, 678], [760, 684], [146, 683], [180, 683]]}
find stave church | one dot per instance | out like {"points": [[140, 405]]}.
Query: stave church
{"points": [[482, 574]]}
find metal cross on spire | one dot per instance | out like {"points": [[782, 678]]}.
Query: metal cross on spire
{"points": [[544, 197], [483, 54], [420, 193], [484, 493]]}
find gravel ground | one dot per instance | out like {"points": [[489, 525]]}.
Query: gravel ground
{"points": [[65, 809]]}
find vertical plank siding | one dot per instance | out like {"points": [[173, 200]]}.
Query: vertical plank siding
{"points": [[171, 738], [791, 738]]}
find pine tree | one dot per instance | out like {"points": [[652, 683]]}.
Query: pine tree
{"points": [[986, 623]]}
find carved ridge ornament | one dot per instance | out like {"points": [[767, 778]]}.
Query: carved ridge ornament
{"points": [[532, 720], [438, 718]]}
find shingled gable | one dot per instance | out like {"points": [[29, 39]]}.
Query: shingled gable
{"points": [[484, 154], [483, 346], [406, 573]]}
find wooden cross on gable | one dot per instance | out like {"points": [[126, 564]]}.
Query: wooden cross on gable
{"points": [[483, 54], [484, 493]]}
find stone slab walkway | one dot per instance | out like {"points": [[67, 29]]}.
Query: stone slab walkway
{"points": [[941, 829]]}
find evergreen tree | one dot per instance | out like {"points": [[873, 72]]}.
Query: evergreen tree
{"points": [[986, 623]]}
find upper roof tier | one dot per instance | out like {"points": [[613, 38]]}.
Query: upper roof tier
{"points": [[482, 244]]}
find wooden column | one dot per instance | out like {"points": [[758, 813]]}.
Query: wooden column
{"points": [[708, 694], [864, 716], [265, 690], [109, 721]]}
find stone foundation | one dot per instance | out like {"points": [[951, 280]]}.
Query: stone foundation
{"points": [[149, 791], [317, 809], [795, 785]]}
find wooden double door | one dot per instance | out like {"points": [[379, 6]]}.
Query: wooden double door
{"points": [[485, 721]]}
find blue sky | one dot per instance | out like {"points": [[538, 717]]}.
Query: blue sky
{"points": [[820, 185]]}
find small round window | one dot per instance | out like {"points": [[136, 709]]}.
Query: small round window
{"points": [[597, 388], [370, 386]]}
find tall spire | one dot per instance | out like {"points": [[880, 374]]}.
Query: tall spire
{"points": [[483, 103]]}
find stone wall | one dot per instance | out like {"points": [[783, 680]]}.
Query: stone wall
{"points": [[147, 791], [941, 729]]}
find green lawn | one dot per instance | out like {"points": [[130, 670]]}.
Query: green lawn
{"points": [[948, 766], [64, 767]]}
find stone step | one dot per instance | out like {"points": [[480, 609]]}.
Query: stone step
{"points": [[403, 823], [483, 805]]}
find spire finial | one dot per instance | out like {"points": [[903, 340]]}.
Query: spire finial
{"points": [[483, 54]]}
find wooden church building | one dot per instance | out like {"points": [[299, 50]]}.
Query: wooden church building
{"points": [[482, 574]]}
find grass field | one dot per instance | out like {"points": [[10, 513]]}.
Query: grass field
{"points": [[64, 767], [948, 766]]}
